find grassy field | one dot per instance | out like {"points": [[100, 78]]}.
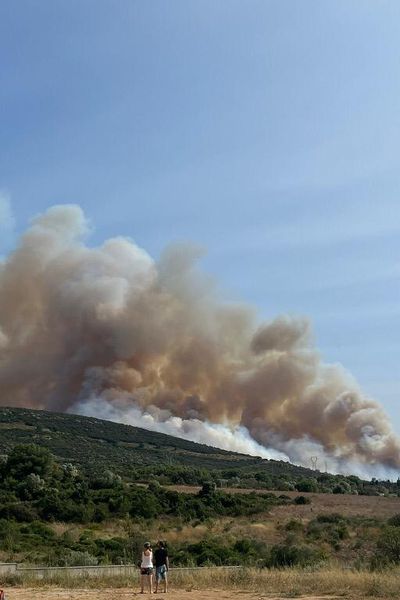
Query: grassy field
{"points": [[206, 584], [55, 513], [349, 506], [344, 528]]}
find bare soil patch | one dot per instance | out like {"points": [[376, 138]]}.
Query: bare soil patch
{"points": [[127, 593]]}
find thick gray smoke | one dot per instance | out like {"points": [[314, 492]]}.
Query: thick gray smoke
{"points": [[107, 331]]}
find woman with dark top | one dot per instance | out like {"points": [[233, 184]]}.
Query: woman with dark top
{"points": [[162, 565]]}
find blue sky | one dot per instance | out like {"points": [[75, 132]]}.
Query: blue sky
{"points": [[266, 131]]}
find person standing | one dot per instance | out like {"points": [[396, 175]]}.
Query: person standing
{"points": [[162, 565], [146, 568]]}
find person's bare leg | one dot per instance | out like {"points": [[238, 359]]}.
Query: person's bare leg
{"points": [[156, 588], [165, 584], [151, 583], [142, 583]]}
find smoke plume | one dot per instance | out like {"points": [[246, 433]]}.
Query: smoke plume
{"points": [[109, 332]]}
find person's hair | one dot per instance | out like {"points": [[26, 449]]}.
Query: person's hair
{"points": [[147, 545], [161, 544]]}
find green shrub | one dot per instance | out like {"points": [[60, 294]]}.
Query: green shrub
{"points": [[18, 511], [302, 500], [394, 521], [294, 525], [24, 460], [283, 555], [388, 546], [307, 485], [330, 518], [75, 558]]}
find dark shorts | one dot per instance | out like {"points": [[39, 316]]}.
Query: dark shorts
{"points": [[146, 571], [161, 572]]}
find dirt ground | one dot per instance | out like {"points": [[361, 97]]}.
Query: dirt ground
{"points": [[125, 594]]}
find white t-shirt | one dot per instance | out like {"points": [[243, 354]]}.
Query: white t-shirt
{"points": [[147, 560]]}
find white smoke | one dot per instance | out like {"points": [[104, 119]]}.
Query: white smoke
{"points": [[211, 434], [109, 332]]}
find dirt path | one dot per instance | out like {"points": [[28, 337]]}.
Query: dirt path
{"points": [[125, 594]]}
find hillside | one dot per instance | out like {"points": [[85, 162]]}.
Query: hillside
{"points": [[137, 454], [93, 443], [63, 500]]}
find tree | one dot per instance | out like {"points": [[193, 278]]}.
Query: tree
{"points": [[26, 459], [307, 485], [208, 489]]}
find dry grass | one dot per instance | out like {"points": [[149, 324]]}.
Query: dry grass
{"points": [[284, 583], [176, 531], [348, 505]]}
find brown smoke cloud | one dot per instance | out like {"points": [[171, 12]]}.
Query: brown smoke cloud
{"points": [[107, 331]]}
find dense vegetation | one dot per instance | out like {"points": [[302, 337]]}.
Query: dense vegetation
{"points": [[138, 455], [35, 489], [61, 503], [34, 486]]}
